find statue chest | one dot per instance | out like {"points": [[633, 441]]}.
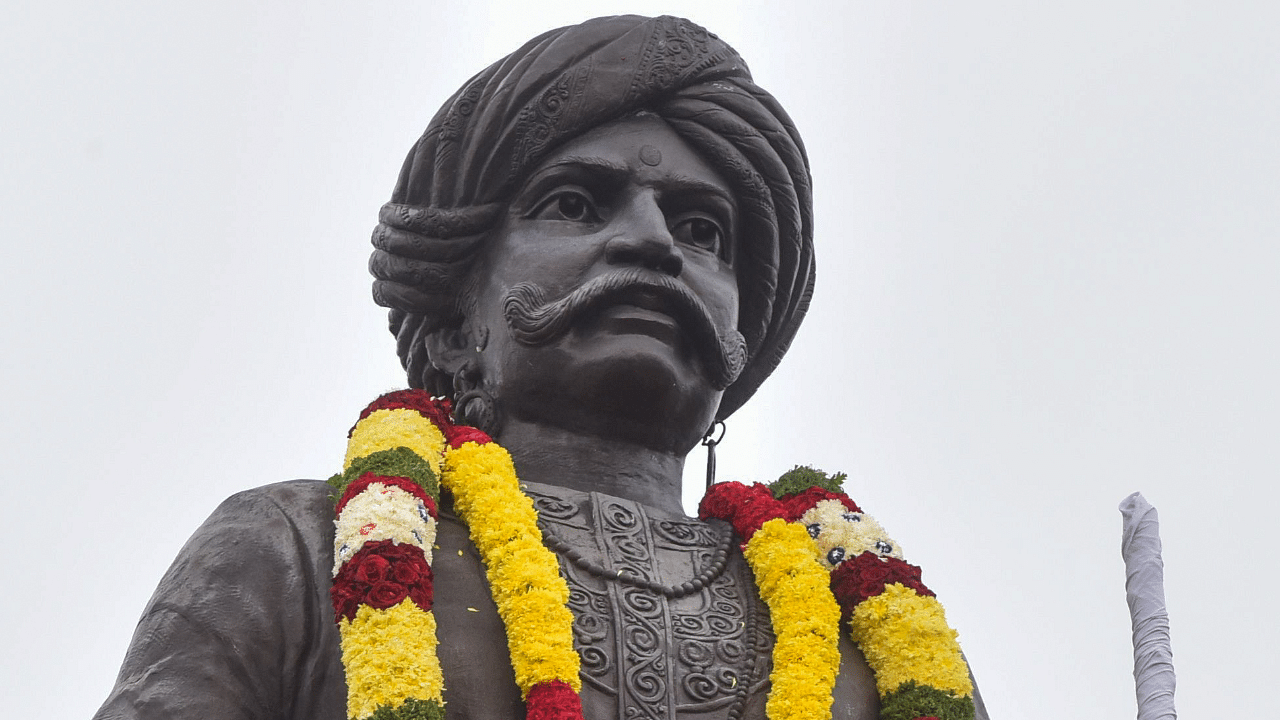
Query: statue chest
{"points": [[666, 618]]}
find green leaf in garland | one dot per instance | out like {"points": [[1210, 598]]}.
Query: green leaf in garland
{"points": [[410, 709], [911, 701], [396, 462], [803, 477]]}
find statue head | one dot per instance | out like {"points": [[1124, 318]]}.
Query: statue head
{"points": [[614, 205]]}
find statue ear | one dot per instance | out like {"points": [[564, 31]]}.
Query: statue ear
{"points": [[455, 353], [451, 349]]}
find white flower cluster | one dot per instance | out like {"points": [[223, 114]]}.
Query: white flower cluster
{"points": [[842, 533], [382, 512]]}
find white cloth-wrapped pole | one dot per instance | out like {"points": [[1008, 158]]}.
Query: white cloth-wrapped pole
{"points": [[1144, 586]]}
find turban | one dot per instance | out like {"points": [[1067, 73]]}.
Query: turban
{"points": [[483, 142]]}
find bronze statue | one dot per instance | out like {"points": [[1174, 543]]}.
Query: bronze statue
{"points": [[599, 248]]}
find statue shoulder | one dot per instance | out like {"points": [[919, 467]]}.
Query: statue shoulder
{"points": [[278, 525], [242, 618], [307, 501]]}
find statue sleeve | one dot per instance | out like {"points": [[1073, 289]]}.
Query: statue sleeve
{"points": [[241, 626], [979, 707]]}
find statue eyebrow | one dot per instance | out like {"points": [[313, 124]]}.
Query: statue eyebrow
{"points": [[612, 173], [615, 173], [607, 167], [686, 184]]}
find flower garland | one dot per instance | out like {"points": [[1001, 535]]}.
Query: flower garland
{"points": [[895, 620], [383, 586], [531, 596], [816, 556]]}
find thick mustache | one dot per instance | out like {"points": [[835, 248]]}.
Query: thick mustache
{"points": [[533, 320]]}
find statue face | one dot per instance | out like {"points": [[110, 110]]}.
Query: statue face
{"points": [[607, 297]]}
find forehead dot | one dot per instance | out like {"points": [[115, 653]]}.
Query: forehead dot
{"points": [[650, 155]]}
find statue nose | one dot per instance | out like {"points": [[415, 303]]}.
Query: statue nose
{"points": [[643, 238]]}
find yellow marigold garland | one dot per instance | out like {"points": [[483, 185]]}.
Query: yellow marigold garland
{"points": [[906, 638], [806, 621], [523, 575], [392, 428], [390, 657]]}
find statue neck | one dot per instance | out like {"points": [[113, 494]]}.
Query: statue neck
{"points": [[554, 456]]}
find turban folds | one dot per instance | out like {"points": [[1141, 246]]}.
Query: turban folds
{"points": [[484, 141]]}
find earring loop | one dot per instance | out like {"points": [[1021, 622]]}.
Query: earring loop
{"points": [[710, 441], [479, 409]]}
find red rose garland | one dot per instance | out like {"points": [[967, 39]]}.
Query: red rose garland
{"points": [[382, 575]]}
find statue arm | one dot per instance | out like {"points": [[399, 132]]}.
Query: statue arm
{"points": [[979, 707], [240, 626]]}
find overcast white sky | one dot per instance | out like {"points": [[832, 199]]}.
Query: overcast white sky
{"points": [[1048, 260]]}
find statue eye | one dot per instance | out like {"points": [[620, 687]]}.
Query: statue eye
{"points": [[835, 556], [884, 547], [700, 231], [814, 530], [572, 207], [568, 204]]}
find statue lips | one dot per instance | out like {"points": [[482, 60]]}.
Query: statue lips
{"points": [[645, 311]]}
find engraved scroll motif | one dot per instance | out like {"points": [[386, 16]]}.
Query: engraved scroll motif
{"points": [[538, 124], [676, 50], [695, 655], [460, 113]]}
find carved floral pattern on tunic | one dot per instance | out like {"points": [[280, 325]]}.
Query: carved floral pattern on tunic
{"points": [[687, 653]]}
